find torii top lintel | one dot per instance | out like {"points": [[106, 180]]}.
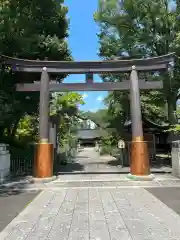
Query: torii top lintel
{"points": [[71, 67]]}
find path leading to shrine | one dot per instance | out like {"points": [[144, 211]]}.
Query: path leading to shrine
{"points": [[91, 200], [88, 161], [89, 165], [95, 214]]}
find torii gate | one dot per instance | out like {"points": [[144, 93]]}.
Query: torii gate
{"points": [[43, 164]]}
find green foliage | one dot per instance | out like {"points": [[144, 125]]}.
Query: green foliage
{"points": [[140, 29], [65, 105], [37, 31], [105, 150], [28, 128], [99, 117], [106, 145], [33, 30], [176, 127]]}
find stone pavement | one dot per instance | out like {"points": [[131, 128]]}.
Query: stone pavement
{"points": [[95, 214], [98, 203], [89, 161]]}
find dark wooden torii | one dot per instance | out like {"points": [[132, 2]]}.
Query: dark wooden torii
{"points": [[43, 167]]}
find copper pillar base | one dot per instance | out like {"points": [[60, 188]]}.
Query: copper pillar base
{"points": [[43, 162], [139, 158]]}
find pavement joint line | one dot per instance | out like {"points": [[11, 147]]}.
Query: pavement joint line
{"points": [[93, 180], [105, 180], [90, 187], [157, 182]]}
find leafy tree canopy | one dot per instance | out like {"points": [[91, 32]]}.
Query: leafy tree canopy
{"points": [[31, 29], [140, 29]]}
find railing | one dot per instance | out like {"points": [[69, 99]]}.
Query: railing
{"points": [[21, 163]]}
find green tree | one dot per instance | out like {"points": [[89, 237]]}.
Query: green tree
{"points": [[66, 107], [31, 29], [139, 29], [99, 117]]}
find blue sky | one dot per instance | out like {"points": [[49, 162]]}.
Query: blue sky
{"points": [[83, 43]]}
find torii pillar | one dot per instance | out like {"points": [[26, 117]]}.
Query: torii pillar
{"points": [[43, 162], [139, 157]]}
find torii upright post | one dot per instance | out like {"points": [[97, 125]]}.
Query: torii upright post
{"points": [[43, 167], [139, 165]]}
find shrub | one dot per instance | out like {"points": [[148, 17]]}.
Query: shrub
{"points": [[106, 149]]}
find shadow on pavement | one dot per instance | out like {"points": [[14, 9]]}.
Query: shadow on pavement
{"points": [[114, 163], [13, 201], [169, 196], [82, 157], [12, 189], [70, 167], [86, 173]]}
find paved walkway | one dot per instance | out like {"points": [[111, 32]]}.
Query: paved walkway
{"points": [[95, 214], [89, 165], [89, 161], [105, 208]]}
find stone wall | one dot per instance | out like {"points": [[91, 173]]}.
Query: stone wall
{"points": [[175, 154], [4, 162]]}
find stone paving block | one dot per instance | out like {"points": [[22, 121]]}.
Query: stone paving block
{"points": [[100, 235], [62, 223], [61, 230], [81, 208], [137, 227], [153, 183], [119, 234], [96, 216], [174, 183], [80, 225], [97, 222], [115, 221], [143, 237], [46, 220], [113, 217], [80, 220], [96, 213], [79, 235], [97, 225]]}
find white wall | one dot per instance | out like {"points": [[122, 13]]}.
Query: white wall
{"points": [[4, 162]]}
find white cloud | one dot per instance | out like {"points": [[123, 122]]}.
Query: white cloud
{"points": [[85, 95], [100, 98], [93, 110]]}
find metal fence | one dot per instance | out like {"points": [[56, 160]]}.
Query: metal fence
{"points": [[21, 164]]}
